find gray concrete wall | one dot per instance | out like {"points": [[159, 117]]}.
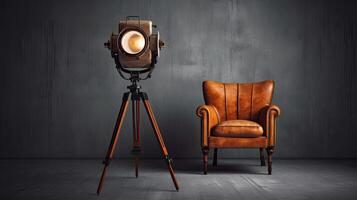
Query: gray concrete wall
{"points": [[60, 91]]}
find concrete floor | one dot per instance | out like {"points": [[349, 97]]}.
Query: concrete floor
{"points": [[232, 179]]}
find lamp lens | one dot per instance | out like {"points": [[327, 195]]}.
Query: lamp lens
{"points": [[133, 42]]}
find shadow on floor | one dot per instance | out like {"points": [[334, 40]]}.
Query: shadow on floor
{"points": [[195, 166]]}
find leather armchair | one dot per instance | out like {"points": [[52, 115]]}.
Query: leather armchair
{"points": [[238, 115]]}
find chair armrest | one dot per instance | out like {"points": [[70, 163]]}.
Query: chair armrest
{"points": [[267, 119], [209, 119]]}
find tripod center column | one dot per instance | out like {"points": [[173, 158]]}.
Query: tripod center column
{"points": [[135, 98]]}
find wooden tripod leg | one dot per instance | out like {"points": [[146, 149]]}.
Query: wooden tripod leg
{"points": [[114, 140], [155, 126], [136, 132]]}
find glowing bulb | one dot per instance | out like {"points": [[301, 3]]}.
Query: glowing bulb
{"points": [[133, 42], [136, 42]]}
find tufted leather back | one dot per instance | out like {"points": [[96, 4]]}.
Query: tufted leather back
{"points": [[238, 100]]}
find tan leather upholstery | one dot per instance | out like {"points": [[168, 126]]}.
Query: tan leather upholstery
{"points": [[238, 101], [267, 119], [238, 115], [210, 119], [238, 128]]}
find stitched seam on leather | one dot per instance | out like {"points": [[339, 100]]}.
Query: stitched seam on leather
{"points": [[219, 118], [225, 99], [251, 101]]}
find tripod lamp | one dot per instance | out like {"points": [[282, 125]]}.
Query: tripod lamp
{"points": [[135, 50]]}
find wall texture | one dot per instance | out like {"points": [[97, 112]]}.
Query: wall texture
{"points": [[60, 92]]}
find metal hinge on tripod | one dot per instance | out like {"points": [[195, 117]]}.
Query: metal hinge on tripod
{"points": [[144, 96]]}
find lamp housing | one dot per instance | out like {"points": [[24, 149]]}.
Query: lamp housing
{"points": [[135, 46]]}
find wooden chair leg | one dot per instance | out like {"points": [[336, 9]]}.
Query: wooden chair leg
{"points": [[262, 160], [205, 151], [215, 157], [270, 151]]}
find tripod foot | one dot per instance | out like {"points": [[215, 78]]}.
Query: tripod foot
{"points": [[99, 189], [169, 163]]}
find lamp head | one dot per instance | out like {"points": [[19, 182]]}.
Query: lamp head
{"points": [[135, 46]]}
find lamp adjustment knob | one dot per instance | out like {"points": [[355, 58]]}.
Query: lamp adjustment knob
{"points": [[107, 44], [161, 44]]}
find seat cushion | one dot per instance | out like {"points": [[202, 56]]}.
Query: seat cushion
{"points": [[238, 129]]}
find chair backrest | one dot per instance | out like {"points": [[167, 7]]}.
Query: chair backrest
{"points": [[238, 100]]}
